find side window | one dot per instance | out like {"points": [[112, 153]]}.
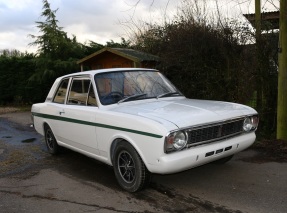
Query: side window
{"points": [[79, 91], [91, 97], [61, 92]]}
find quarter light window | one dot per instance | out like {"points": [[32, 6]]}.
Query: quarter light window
{"points": [[92, 97], [79, 91]]}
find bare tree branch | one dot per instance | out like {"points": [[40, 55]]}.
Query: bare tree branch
{"points": [[273, 4]]}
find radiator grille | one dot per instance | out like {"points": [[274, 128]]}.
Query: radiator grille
{"points": [[214, 132]]}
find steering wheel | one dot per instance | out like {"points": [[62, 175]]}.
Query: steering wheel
{"points": [[112, 95]]}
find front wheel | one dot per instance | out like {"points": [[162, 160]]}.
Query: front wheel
{"points": [[51, 142], [130, 171]]}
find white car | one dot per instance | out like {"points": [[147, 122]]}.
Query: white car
{"points": [[135, 120]]}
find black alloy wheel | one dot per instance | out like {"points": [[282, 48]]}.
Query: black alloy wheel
{"points": [[51, 142], [130, 170]]}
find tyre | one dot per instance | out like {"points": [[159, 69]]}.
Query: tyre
{"points": [[223, 160], [130, 171], [51, 142]]}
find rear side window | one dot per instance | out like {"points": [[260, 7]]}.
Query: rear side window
{"points": [[61, 92]]}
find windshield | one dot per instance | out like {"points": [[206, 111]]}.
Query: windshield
{"points": [[117, 87]]}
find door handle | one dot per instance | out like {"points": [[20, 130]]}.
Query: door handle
{"points": [[61, 112]]}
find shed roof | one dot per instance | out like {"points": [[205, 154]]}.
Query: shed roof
{"points": [[270, 20], [133, 55]]}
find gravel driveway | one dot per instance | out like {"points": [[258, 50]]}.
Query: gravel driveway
{"points": [[4, 110]]}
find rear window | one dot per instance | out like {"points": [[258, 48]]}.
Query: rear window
{"points": [[61, 92]]}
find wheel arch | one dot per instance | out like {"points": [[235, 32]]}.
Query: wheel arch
{"points": [[117, 141], [45, 125]]}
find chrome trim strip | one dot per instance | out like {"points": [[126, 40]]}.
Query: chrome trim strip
{"points": [[215, 123], [215, 139]]}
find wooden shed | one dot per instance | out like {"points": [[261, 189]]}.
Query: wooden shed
{"points": [[118, 58]]}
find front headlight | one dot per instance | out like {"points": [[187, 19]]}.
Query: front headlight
{"points": [[175, 141], [250, 123]]}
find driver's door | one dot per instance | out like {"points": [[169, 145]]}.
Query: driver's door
{"points": [[77, 118]]}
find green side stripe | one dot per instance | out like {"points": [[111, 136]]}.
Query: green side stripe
{"points": [[59, 118]]}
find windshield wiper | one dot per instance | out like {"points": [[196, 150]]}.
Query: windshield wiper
{"points": [[131, 97], [168, 94]]}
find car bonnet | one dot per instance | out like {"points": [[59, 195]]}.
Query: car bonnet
{"points": [[185, 112]]}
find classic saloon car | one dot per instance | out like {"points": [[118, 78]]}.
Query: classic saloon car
{"points": [[138, 122]]}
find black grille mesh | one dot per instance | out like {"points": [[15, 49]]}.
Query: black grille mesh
{"points": [[214, 132]]}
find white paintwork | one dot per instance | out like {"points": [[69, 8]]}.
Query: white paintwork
{"points": [[187, 159], [155, 116], [185, 112]]}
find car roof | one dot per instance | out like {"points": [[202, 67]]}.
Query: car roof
{"points": [[93, 72]]}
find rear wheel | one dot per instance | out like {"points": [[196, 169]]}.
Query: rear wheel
{"points": [[130, 171], [51, 142]]}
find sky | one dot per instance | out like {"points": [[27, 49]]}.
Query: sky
{"points": [[96, 20]]}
